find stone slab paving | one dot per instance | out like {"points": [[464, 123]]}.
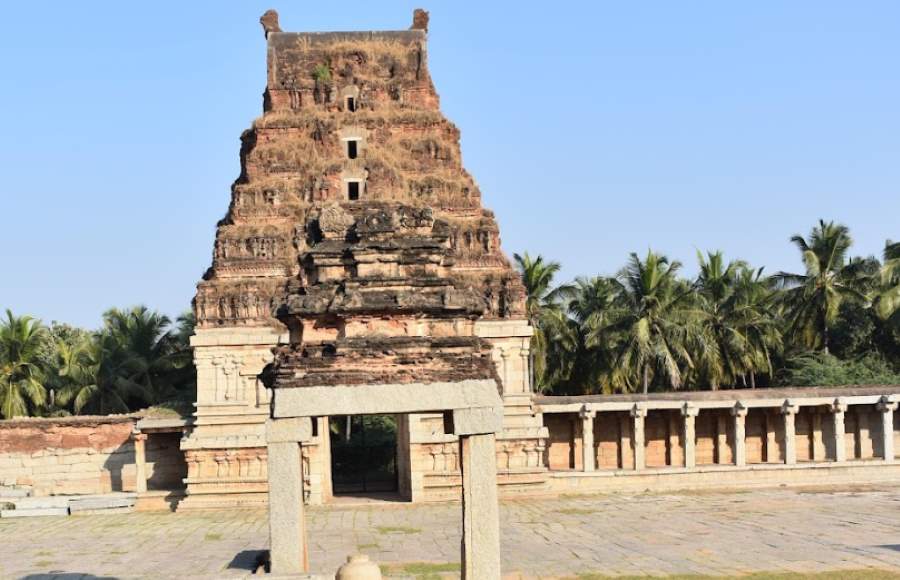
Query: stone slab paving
{"points": [[644, 534]]}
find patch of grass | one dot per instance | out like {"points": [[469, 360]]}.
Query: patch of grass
{"points": [[576, 511], [397, 530], [212, 537], [43, 553], [372, 546], [867, 574], [44, 563], [420, 570]]}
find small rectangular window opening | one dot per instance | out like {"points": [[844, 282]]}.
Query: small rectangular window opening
{"points": [[353, 190], [351, 149], [351, 104]]}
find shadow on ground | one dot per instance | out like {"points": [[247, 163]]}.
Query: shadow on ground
{"points": [[254, 561]]}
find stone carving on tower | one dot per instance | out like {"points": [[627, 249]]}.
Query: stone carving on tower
{"points": [[352, 205]]}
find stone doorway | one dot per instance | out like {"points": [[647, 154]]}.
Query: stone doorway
{"points": [[364, 455]]}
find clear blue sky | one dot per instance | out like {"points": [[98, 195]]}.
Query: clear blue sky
{"points": [[594, 129]]}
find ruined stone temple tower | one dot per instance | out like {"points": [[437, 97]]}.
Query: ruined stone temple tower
{"points": [[355, 245]]}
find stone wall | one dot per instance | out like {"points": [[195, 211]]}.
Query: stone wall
{"points": [[84, 455]]}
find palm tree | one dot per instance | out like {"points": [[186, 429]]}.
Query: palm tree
{"points": [[144, 338], [97, 375], [595, 306], [729, 355], [656, 328], [813, 299], [886, 302], [21, 388], [757, 321], [543, 308]]}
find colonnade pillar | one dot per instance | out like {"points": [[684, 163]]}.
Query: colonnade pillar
{"points": [[887, 408], [840, 448], [789, 410], [690, 435], [140, 462], [588, 455], [739, 411], [638, 415]]}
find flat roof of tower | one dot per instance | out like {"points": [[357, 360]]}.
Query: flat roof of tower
{"points": [[289, 39]]}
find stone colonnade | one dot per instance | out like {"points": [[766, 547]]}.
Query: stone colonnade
{"points": [[837, 428]]}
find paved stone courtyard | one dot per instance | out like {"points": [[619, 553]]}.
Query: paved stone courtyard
{"points": [[647, 534]]}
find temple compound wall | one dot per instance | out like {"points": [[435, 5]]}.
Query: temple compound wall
{"points": [[634, 443], [88, 455]]}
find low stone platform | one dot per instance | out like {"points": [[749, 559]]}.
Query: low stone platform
{"points": [[63, 505], [797, 530]]}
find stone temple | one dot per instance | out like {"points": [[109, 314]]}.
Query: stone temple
{"points": [[355, 251]]}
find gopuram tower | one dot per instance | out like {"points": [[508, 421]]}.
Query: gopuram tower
{"points": [[355, 247]]}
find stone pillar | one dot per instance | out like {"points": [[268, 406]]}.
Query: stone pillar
{"points": [[690, 436], [739, 411], [789, 410], [481, 519], [287, 528], [638, 414], [588, 455], [838, 408], [140, 462], [887, 408]]}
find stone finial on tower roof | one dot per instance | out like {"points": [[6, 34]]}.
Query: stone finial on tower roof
{"points": [[269, 22], [420, 20]]}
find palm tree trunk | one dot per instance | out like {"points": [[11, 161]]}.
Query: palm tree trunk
{"points": [[752, 380], [646, 378]]}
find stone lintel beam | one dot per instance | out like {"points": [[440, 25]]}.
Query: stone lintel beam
{"points": [[473, 421], [291, 430], [378, 399]]}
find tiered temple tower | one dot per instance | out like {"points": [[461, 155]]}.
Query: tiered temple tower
{"points": [[353, 221]]}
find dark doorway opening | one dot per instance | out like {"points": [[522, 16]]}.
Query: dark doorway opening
{"points": [[351, 149], [363, 454], [353, 190], [351, 104]]}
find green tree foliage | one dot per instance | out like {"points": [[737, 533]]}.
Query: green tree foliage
{"points": [[813, 299], [645, 329], [731, 327], [138, 358], [21, 376], [823, 369], [655, 327], [544, 310]]}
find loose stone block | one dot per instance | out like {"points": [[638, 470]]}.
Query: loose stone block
{"points": [[34, 512]]}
